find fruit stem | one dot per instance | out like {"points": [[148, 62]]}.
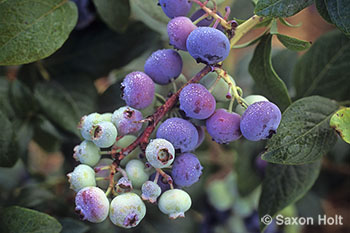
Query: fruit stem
{"points": [[200, 18], [244, 28], [160, 97], [166, 176]]}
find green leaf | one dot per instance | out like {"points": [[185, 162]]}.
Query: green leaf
{"points": [[264, 75], [280, 8], [22, 99], [340, 121], [150, 14], [114, 13], [58, 106], [303, 135], [73, 226], [34, 29], [338, 12], [293, 43], [283, 61], [17, 219], [284, 185], [5, 105], [323, 69], [23, 134], [7, 143], [322, 10]]}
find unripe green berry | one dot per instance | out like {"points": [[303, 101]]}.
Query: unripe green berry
{"points": [[127, 210], [221, 89], [92, 204], [174, 202], [81, 177], [160, 153], [87, 153], [150, 191], [104, 134], [250, 99], [135, 169], [106, 117], [87, 123]]}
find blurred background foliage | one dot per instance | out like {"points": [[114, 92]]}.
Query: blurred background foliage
{"points": [[42, 102]]}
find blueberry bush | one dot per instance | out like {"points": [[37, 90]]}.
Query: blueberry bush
{"points": [[186, 116]]}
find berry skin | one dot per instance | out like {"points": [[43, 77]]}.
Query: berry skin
{"points": [[160, 153], [162, 182], [181, 133], [174, 202], [106, 117], [81, 177], [150, 191], [163, 65], [196, 101], [208, 45], [205, 22], [87, 153], [250, 99], [103, 173], [174, 8], [127, 210], [85, 13], [135, 169], [179, 29], [260, 121], [224, 127], [92, 204], [201, 136], [221, 89], [126, 120], [138, 90], [87, 123], [124, 185], [186, 170], [104, 134]]}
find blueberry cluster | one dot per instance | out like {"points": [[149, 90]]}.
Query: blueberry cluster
{"points": [[159, 171]]}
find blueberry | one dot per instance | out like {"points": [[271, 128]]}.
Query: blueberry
{"points": [[196, 101], [174, 8], [206, 22], [82, 176], [221, 89], [86, 14], [260, 121], [186, 170], [224, 127], [179, 29], [181, 133], [208, 45], [87, 123], [92, 204], [162, 182], [126, 119], [104, 134], [160, 153], [163, 65], [87, 153], [138, 90], [135, 169], [174, 202], [250, 99], [150, 191]]}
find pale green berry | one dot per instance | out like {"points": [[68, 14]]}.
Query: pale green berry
{"points": [[82, 176], [174, 202], [104, 134], [127, 210], [103, 173], [160, 153], [87, 153], [250, 99], [150, 191], [124, 142], [106, 117], [221, 89], [87, 123], [92, 204], [135, 169], [167, 89]]}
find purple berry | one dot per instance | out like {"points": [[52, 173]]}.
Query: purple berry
{"points": [[186, 170], [138, 90], [126, 119], [260, 121], [208, 45], [86, 13], [224, 126], [197, 102], [150, 191], [260, 165], [181, 133], [205, 22], [174, 8], [162, 182], [179, 29], [163, 65], [201, 135]]}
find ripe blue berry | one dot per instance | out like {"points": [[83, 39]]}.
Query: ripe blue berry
{"points": [[82, 176], [162, 182], [186, 170], [138, 90], [224, 127], [163, 65], [208, 45], [85, 13], [87, 153], [92, 204], [260, 121], [197, 102], [127, 210], [175, 203], [150, 191], [174, 8], [181, 133], [160, 153], [126, 119], [104, 134], [250, 99], [205, 22], [178, 30], [135, 169], [201, 135]]}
